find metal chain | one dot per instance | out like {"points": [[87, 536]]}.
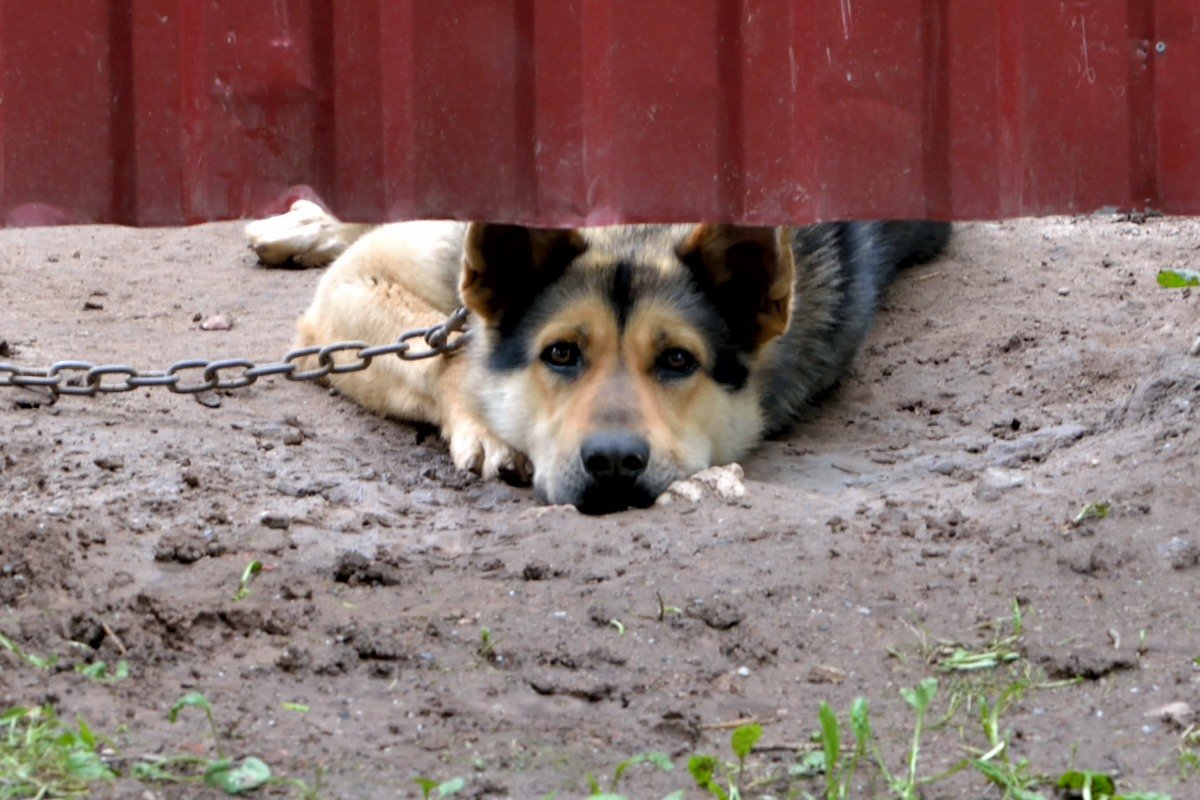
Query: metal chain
{"points": [[88, 379]]}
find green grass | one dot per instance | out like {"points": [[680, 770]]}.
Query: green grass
{"points": [[41, 756], [949, 656], [32, 659], [1094, 510], [972, 692], [248, 575], [723, 779], [660, 760], [1188, 756], [851, 762], [967, 693], [1178, 278], [439, 791]]}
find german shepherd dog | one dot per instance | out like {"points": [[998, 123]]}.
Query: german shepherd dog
{"points": [[605, 362]]}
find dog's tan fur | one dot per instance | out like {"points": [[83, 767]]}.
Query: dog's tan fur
{"points": [[392, 279]]}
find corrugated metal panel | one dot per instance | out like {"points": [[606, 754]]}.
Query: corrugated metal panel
{"points": [[565, 111]]}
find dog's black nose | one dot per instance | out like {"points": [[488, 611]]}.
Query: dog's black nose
{"points": [[615, 455]]}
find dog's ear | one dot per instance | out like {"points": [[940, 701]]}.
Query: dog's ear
{"points": [[749, 273], [505, 266]]}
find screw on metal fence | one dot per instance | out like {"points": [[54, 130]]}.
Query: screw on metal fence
{"points": [[196, 375]]}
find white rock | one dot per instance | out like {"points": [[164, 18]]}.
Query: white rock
{"points": [[724, 483], [1179, 715], [995, 481]]}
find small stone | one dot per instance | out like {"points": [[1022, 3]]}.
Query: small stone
{"points": [[536, 571], [1194, 350], [378, 519], [1179, 715], [296, 590], [186, 547], [824, 673], [217, 322], [994, 482], [724, 483], [601, 615], [356, 569], [716, 612], [276, 521], [110, 463], [1013, 344], [680, 490], [1089, 663], [973, 444], [207, 399], [294, 659], [946, 466], [1064, 290], [183, 549], [1180, 553], [743, 672]]}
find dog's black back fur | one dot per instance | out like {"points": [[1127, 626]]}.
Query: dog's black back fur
{"points": [[841, 271]]}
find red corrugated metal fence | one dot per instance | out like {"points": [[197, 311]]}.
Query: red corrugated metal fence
{"points": [[564, 111]]}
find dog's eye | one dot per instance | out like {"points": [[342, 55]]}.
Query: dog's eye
{"points": [[562, 356], [675, 362]]}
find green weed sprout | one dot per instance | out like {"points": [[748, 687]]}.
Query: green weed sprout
{"points": [[431, 788], [248, 575], [703, 768], [40, 757]]}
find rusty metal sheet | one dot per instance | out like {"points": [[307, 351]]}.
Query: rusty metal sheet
{"points": [[154, 112]]}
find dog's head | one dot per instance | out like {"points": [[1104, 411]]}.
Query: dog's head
{"points": [[621, 359]]}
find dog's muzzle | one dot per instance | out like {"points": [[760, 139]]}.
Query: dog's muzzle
{"points": [[613, 461]]}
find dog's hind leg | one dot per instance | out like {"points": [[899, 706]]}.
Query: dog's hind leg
{"points": [[842, 270], [306, 235]]}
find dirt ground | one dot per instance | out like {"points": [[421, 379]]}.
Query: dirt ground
{"points": [[434, 625]]}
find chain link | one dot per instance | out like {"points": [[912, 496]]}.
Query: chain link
{"points": [[196, 375]]}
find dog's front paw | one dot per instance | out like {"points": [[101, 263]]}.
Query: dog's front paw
{"points": [[306, 235], [475, 449]]}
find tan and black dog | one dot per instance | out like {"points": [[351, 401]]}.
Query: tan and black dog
{"points": [[606, 362]]}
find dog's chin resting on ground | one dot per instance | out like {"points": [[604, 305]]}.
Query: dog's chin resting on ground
{"points": [[604, 363]]}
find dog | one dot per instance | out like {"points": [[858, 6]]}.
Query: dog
{"points": [[605, 363]]}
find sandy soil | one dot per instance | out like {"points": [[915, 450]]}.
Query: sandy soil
{"points": [[1034, 370]]}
